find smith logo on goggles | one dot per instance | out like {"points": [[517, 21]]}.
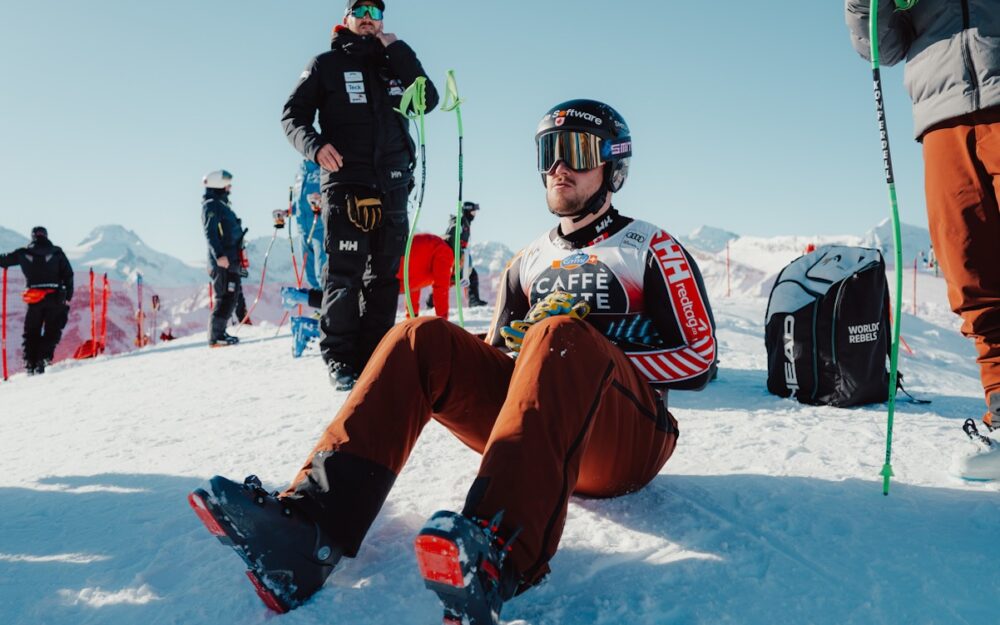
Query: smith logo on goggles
{"points": [[580, 150]]}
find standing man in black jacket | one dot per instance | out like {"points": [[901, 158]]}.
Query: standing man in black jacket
{"points": [[367, 156], [224, 232], [48, 281]]}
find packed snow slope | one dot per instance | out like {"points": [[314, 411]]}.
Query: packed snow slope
{"points": [[770, 512]]}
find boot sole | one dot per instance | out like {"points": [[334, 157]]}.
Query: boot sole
{"points": [[440, 562], [218, 525]]}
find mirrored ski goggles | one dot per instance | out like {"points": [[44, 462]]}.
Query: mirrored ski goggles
{"points": [[580, 150], [374, 12]]}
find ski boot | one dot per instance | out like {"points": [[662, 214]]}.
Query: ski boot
{"points": [[983, 465], [342, 375], [292, 297], [224, 341], [287, 555], [461, 559], [303, 329]]}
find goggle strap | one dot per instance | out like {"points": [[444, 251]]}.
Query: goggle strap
{"points": [[616, 149]]}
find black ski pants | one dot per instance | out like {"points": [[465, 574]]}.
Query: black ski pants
{"points": [[360, 289], [43, 327], [241, 305], [227, 288]]}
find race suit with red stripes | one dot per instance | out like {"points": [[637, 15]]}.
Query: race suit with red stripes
{"points": [[645, 292]]}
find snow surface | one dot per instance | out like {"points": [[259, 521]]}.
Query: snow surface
{"points": [[769, 512]]}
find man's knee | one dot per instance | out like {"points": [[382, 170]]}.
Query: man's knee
{"points": [[426, 331], [563, 330]]}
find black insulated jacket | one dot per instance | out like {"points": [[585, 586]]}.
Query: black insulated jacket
{"points": [[223, 229], [45, 266], [355, 87]]}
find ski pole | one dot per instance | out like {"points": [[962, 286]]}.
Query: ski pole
{"points": [[93, 323], [156, 309], [896, 237], [279, 223], [105, 294], [415, 96], [3, 332], [138, 314], [291, 245], [454, 103]]}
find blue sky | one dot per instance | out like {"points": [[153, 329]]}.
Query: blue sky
{"points": [[757, 119]]}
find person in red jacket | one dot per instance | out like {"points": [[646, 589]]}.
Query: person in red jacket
{"points": [[432, 262]]}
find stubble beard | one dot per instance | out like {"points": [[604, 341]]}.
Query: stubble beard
{"points": [[563, 204]]}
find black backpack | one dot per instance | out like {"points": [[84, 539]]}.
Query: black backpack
{"points": [[827, 328]]}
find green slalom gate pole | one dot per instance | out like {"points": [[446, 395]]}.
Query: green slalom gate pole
{"points": [[454, 103], [896, 238], [415, 97]]}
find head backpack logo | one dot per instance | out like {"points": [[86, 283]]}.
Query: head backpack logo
{"points": [[896, 237], [415, 97], [454, 103]]}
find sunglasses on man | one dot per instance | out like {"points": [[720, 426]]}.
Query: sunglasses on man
{"points": [[373, 12]]}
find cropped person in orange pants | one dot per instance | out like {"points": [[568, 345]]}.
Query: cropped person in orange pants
{"points": [[952, 71], [602, 315]]}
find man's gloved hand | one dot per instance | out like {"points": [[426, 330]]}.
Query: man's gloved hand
{"points": [[553, 304], [364, 213]]}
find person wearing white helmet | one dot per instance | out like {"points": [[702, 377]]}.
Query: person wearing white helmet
{"points": [[224, 232]]}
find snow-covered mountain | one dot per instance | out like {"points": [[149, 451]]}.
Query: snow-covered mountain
{"points": [[770, 512], [489, 257], [10, 240], [279, 261], [709, 239], [916, 241], [121, 254], [754, 262]]}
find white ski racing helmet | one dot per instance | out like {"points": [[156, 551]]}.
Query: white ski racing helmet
{"points": [[218, 179]]}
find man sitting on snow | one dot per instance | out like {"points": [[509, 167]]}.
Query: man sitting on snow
{"points": [[603, 313]]}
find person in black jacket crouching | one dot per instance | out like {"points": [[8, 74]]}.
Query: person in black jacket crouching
{"points": [[48, 290], [367, 156]]}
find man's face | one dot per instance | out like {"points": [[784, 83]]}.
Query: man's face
{"points": [[364, 25], [567, 191]]}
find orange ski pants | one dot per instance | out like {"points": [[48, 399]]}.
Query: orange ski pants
{"points": [[569, 415], [962, 181]]}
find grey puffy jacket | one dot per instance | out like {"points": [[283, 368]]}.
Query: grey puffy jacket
{"points": [[952, 52]]}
